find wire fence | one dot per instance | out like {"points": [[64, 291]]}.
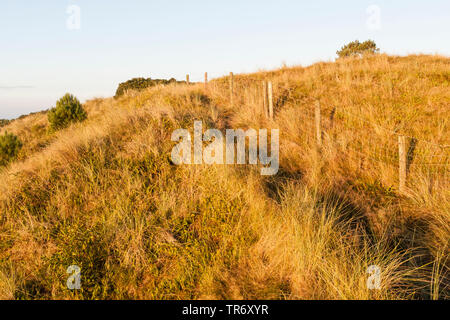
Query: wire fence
{"points": [[372, 146]]}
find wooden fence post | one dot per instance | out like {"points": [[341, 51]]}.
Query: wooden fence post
{"points": [[332, 116], [270, 89], [318, 124], [206, 80], [187, 79], [266, 112], [231, 88], [402, 163]]}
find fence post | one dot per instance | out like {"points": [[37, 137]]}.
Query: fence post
{"points": [[206, 80], [265, 99], [318, 124], [402, 163], [270, 89], [231, 88], [187, 79], [332, 116]]}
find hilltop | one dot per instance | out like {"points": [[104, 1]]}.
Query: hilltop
{"points": [[104, 195]]}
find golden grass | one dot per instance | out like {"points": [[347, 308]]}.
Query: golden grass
{"points": [[103, 194]]}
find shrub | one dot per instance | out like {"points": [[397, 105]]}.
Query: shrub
{"points": [[68, 109], [141, 83], [10, 146], [4, 122], [359, 49]]}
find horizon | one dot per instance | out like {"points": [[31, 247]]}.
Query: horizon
{"points": [[87, 49]]}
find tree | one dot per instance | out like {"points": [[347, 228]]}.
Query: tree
{"points": [[359, 49], [68, 109], [141, 84], [4, 122], [10, 146]]}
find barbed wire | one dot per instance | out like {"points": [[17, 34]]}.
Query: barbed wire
{"points": [[383, 155], [378, 126], [393, 132]]}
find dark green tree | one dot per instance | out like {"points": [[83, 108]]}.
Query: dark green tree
{"points": [[68, 110], [359, 49], [4, 122], [141, 84], [10, 146]]}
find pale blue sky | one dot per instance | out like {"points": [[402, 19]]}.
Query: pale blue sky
{"points": [[41, 59]]}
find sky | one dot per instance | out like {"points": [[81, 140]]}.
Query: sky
{"points": [[87, 47]]}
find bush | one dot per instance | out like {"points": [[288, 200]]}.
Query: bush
{"points": [[4, 122], [141, 83], [68, 109], [10, 146], [359, 49]]}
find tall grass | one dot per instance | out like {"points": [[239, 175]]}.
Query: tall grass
{"points": [[105, 196]]}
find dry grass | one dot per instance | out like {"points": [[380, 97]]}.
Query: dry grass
{"points": [[104, 195]]}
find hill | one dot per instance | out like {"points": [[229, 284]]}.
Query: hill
{"points": [[105, 195]]}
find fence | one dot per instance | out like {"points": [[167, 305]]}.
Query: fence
{"points": [[391, 150]]}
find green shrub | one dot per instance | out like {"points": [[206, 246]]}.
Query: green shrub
{"points": [[68, 109], [141, 83], [4, 122], [10, 146], [357, 48]]}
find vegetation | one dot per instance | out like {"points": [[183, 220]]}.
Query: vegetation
{"points": [[358, 49], [141, 84], [105, 196], [4, 122], [68, 110], [10, 146]]}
